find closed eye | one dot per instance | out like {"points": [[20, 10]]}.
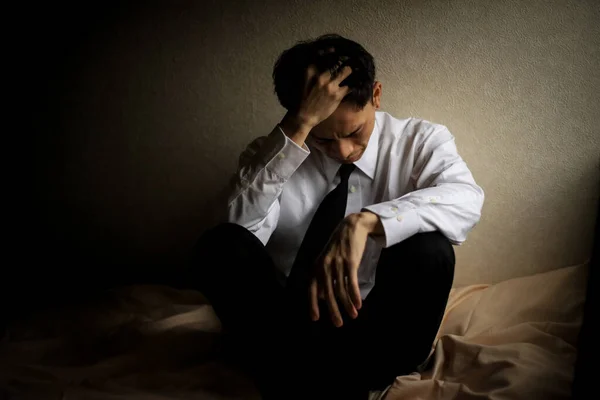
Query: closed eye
{"points": [[324, 140], [355, 132]]}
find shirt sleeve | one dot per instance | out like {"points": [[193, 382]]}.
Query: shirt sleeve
{"points": [[264, 168], [446, 197]]}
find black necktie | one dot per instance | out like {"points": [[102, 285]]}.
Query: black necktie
{"points": [[329, 214]]}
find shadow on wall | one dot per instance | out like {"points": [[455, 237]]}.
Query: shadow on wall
{"points": [[118, 180]]}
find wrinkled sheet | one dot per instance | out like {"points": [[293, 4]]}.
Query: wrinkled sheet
{"points": [[512, 340]]}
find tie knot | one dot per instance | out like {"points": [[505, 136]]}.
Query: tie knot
{"points": [[345, 171]]}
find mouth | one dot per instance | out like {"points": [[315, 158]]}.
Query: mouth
{"points": [[353, 158]]}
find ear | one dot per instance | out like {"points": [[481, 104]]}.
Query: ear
{"points": [[377, 94]]}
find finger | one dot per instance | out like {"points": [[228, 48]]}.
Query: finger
{"points": [[354, 289], [343, 74], [311, 73], [334, 311], [321, 292], [340, 286], [350, 277], [334, 70], [342, 91], [314, 301]]}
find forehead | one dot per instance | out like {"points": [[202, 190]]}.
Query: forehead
{"points": [[345, 120]]}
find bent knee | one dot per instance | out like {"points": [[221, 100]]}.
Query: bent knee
{"points": [[431, 245], [224, 234], [429, 250], [225, 230]]}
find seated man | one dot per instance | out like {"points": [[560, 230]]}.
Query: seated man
{"points": [[333, 270]]}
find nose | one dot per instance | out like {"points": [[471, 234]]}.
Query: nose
{"points": [[343, 148]]}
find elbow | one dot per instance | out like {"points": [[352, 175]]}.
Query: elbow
{"points": [[233, 214], [471, 217], [472, 213], [457, 219], [478, 206], [465, 219], [260, 226], [459, 234]]}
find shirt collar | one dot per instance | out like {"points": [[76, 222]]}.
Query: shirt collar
{"points": [[367, 162]]}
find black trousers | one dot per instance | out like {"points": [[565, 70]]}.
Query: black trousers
{"points": [[287, 352]]}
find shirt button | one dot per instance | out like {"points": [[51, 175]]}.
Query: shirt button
{"points": [[352, 189], [399, 218], [281, 155]]}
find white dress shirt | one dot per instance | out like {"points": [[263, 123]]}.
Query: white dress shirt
{"points": [[410, 175]]}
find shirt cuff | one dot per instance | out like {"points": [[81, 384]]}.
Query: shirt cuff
{"points": [[283, 155], [399, 222]]}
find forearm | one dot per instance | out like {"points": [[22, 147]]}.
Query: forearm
{"points": [[367, 223], [264, 168], [452, 209], [446, 197]]}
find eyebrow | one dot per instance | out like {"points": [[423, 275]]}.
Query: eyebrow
{"points": [[351, 133]]}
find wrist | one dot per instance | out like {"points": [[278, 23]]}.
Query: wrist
{"points": [[368, 222], [294, 125]]}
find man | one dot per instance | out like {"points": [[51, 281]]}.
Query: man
{"points": [[334, 269]]}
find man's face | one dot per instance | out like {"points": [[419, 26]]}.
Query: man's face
{"points": [[345, 134]]}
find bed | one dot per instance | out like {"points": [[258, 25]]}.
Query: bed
{"points": [[511, 340]]}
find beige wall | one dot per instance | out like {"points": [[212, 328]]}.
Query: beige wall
{"points": [[164, 101]]}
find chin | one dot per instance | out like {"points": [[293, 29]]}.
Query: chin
{"points": [[348, 160], [353, 159]]}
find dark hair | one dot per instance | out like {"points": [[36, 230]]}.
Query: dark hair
{"points": [[289, 72]]}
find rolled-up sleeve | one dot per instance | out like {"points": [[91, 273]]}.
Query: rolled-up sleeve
{"points": [[446, 197], [264, 168]]}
